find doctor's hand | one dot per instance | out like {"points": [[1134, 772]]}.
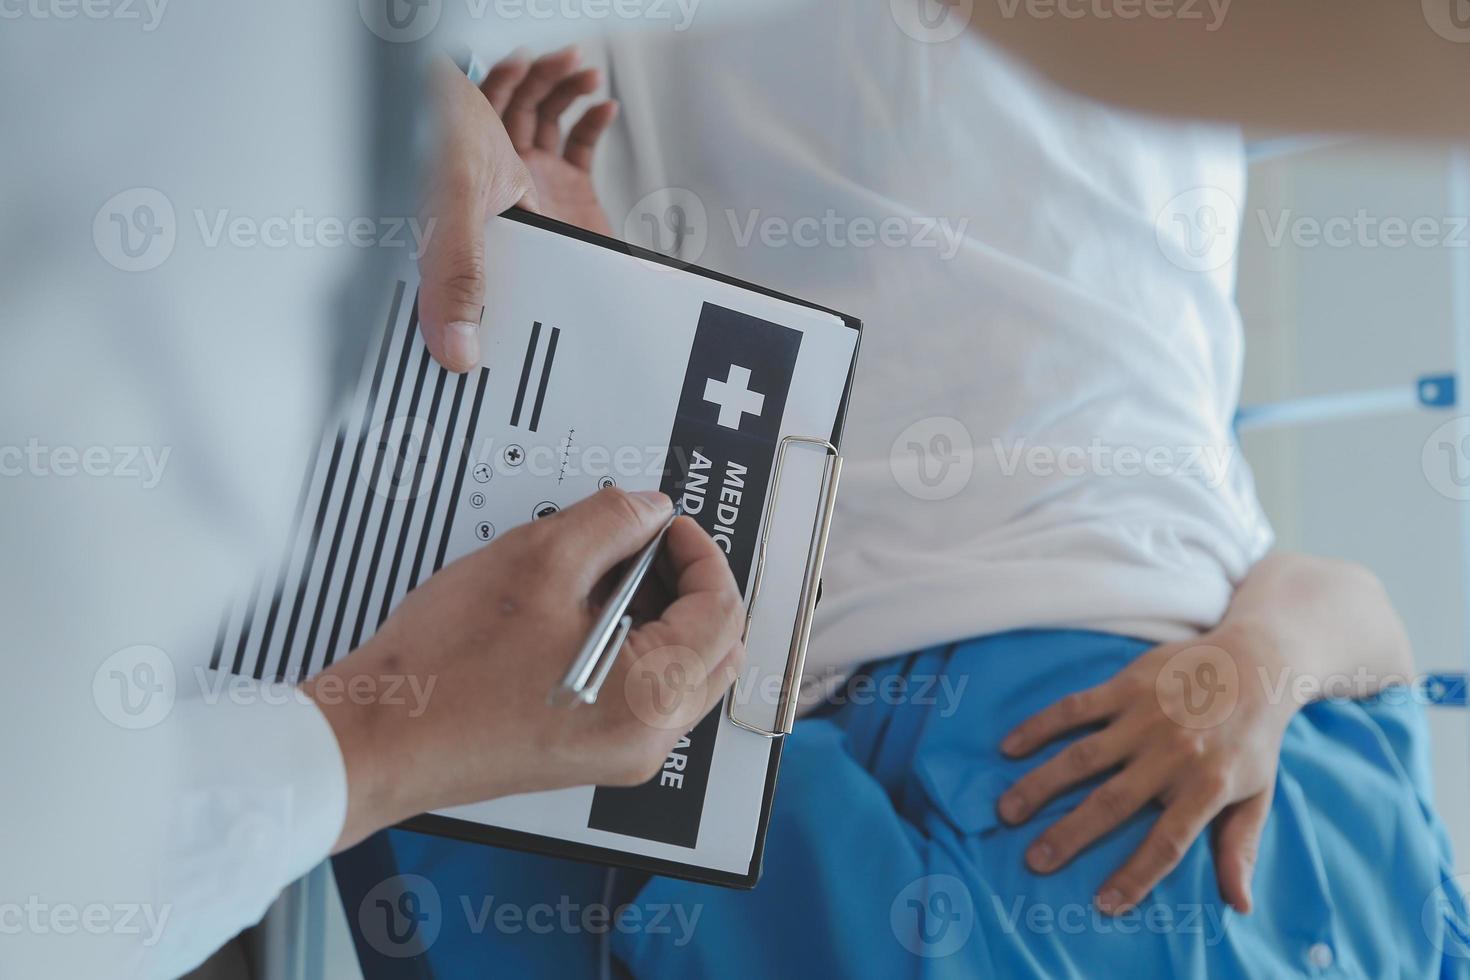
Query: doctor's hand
{"points": [[531, 97], [485, 166], [489, 637], [1188, 726]]}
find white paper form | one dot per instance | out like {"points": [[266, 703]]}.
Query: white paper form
{"points": [[600, 368]]}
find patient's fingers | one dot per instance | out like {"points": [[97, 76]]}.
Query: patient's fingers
{"points": [[1072, 711], [1104, 809], [1079, 761], [1237, 842], [520, 113], [500, 84], [582, 140], [549, 112], [1162, 850]]}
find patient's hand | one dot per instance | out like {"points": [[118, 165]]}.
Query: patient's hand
{"points": [[1197, 726], [1190, 725], [531, 97]]}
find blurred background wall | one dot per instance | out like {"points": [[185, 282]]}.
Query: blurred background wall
{"points": [[1336, 299]]}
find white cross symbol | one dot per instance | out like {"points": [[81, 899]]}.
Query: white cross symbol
{"points": [[734, 397]]}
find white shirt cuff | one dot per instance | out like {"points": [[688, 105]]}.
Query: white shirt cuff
{"points": [[261, 796]]}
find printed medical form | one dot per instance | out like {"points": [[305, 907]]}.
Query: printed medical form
{"points": [[602, 368]]}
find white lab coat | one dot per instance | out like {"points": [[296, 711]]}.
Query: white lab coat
{"points": [[151, 423], [176, 325]]}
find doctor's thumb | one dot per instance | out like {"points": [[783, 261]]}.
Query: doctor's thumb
{"points": [[452, 267], [452, 296], [477, 174]]}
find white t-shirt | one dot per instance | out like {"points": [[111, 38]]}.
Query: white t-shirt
{"points": [[1040, 430]]}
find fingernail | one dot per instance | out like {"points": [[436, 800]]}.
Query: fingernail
{"points": [[658, 502], [1040, 856], [1010, 744], [1109, 900], [462, 343], [1011, 807]]}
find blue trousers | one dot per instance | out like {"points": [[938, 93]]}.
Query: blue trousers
{"points": [[885, 857]]}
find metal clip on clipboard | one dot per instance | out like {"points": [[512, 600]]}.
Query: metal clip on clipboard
{"points": [[806, 607]]}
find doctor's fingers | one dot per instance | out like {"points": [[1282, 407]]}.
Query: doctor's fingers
{"points": [[504, 85], [650, 700], [549, 112], [674, 669], [592, 537], [708, 613], [670, 686], [582, 140], [501, 81], [522, 113], [452, 295], [477, 158]]}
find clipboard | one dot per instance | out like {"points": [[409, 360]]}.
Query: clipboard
{"points": [[376, 550], [772, 731]]}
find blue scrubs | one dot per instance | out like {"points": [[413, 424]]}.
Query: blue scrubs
{"points": [[886, 859]]}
